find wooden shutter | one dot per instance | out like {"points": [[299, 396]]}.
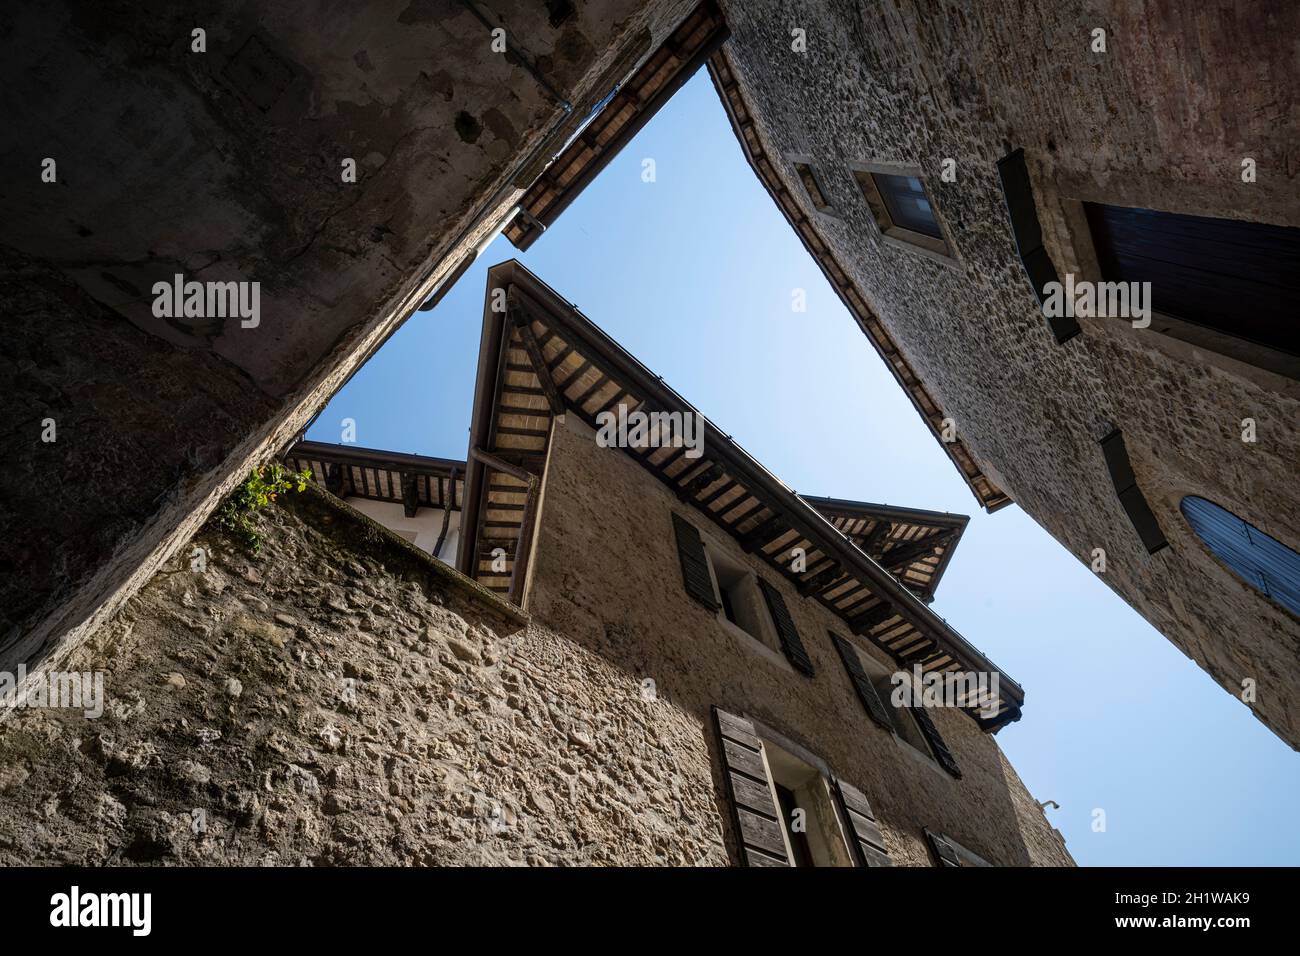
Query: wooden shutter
{"points": [[695, 565], [785, 629], [943, 851], [1130, 495], [862, 683], [1230, 275], [1262, 561], [941, 751], [865, 839], [749, 791]]}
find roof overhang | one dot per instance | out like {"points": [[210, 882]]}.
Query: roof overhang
{"points": [[415, 481], [913, 544], [542, 357], [616, 121]]}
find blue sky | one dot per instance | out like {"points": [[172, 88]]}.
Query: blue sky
{"points": [[693, 274]]}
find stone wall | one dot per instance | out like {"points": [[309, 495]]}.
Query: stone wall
{"points": [[342, 698], [607, 576], [226, 163], [1162, 120]]}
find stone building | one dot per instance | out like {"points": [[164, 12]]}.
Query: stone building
{"points": [[943, 162], [657, 654], [947, 162], [347, 158]]}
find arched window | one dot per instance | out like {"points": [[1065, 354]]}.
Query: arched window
{"points": [[1261, 561]]}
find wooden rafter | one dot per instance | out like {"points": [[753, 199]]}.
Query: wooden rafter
{"points": [[541, 369], [904, 554]]}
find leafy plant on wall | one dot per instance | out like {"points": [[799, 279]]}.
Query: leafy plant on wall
{"points": [[261, 487]]}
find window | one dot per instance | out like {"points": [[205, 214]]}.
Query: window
{"points": [[907, 204], [738, 594], [787, 808], [903, 721], [875, 687], [901, 207], [1225, 276], [796, 833], [747, 604], [812, 184], [1263, 562], [807, 810]]}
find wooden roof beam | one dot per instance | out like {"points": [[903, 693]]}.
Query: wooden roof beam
{"points": [[905, 554], [873, 617], [873, 537], [708, 476], [540, 367], [762, 532], [449, 503], [334, 478], [410, 495], [819, 580]]}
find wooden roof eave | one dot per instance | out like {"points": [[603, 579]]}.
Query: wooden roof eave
{"points": [[491, 358], [539, 215], [415, 481], [954, 523], [376, 458], [634, 378]]}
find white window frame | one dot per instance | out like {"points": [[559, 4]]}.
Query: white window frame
{"points": [[809, 778]]}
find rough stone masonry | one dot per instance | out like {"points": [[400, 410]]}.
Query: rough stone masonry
{"points": [[1161, 120], [344, 698], [134, 150]]}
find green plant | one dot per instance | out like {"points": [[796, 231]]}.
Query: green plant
{"points": [[258, 490]]}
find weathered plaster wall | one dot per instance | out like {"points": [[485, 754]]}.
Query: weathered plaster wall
{"points": [[227, 165], [1162, 120], [607, 576], [425, 526]]}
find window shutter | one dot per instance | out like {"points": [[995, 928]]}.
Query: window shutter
{"points": [[941, 751], [695, 566], [943, 851], [862, 683], [865, 839], [749, 791], [785, 629]]}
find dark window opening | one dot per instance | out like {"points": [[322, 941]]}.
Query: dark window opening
{"points": [[812, 187], [1234, 277], [727, 608], [798, 839], [907, 203], [1130, 495], [1263, 562]]}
